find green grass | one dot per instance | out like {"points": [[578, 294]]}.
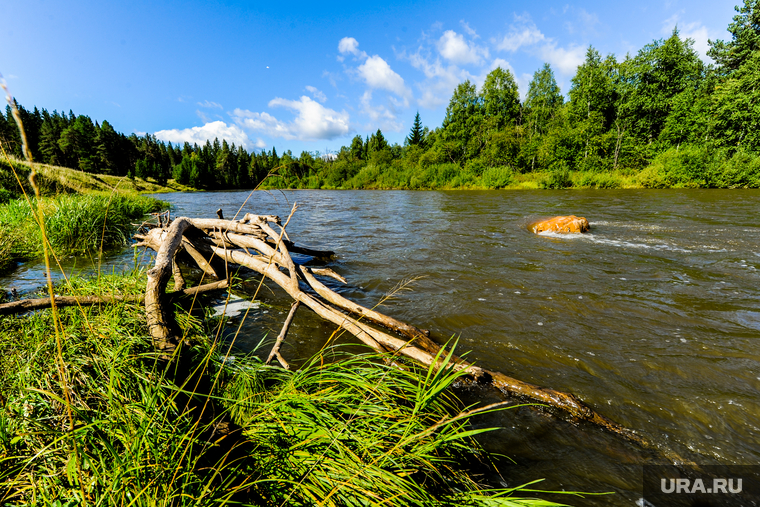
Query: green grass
{"points": [[344, 429], [75, 224], [54, 180]]}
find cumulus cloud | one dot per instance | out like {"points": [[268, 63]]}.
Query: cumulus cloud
{"points": [[313, 121], [208, 132], [525, 35], [207, 103], [454, 48], [440, 80], [381, 116], [349, 45], [378, 74], [566, 60], [317, 94], [695, 31], [519, 37]]}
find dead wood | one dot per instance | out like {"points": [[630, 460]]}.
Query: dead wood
{"points": [[281, 337], [230, 241], [179, 281], [328, 272], [156, 312], [199, 259], [28, 305]]}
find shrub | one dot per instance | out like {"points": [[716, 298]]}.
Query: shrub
{"points": [[558, 177], [497, 177]]}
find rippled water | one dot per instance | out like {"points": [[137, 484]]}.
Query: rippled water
{"points": [[652, 318]]}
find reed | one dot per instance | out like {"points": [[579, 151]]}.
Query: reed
{"points": [[76, 224], [345, 429]]}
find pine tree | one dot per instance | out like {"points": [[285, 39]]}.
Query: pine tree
{"points": [[415, 135]]}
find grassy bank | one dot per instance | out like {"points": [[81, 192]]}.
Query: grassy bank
{"points": [[687, 166], [75, 224], [104, 424], [55, 180]]}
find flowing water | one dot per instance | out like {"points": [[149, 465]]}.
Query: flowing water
{"points": [[652, 318]]}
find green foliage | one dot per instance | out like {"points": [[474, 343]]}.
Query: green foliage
{"points": [[557, 178], [497, 177], [699, 166], [500, 97], [737, 106], [344, 429], [75, 224], [415, 137], [745, 38]]}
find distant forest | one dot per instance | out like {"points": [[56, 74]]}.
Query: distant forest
{"points": [[662, 117]]}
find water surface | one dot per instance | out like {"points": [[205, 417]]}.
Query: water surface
{"points": [[652, 318]]}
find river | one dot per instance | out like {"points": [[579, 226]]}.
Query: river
{"points": [[652, 318]]}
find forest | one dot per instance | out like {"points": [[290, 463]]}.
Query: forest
{"points": [[660, 118]]}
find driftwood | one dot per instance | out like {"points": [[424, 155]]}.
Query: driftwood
{"points": [[253, 243], [28, 305]]}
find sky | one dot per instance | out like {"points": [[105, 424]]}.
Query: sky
{"points": [[308, 76]]}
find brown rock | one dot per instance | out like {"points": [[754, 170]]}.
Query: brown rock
{"points": [[564, 225]]}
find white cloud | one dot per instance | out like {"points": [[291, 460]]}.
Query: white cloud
{"points": [[584, 24], [313, 121], [519, 37], [208, 132], [381, 117], [350, 45], [454, 48], [566, 60], [260, 143], [525, 35], [471, 32], [207, 103], [203, 116], [440, 80], [317, 94], [378, 74], [696, 31]]}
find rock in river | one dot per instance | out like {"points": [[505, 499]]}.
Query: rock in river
{"points": [[564, 225]]}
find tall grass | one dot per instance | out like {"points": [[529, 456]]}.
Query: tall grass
{"points": [[345, 429], [75, 224]]}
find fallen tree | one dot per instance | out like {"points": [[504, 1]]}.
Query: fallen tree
{"points": [[28, 305], [253, 243]]}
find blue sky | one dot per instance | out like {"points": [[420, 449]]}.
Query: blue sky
{"points": [[307, 76]]}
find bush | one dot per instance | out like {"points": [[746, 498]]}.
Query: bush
{"points": [[598, 180], [558, 177], [742, 170], [685, 167], [497, 177]]}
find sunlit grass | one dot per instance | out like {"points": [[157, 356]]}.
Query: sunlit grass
{"points": [[345, 429], [75, 224]]}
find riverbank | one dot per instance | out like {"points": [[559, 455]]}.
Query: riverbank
{"points": [[55, 180], [75, 224], [689, 167], [107, 422]]}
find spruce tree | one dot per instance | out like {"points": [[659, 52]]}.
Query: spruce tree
{"points": [[415, 137]]}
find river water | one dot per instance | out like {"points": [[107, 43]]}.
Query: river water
{"points": [[652, 318]]}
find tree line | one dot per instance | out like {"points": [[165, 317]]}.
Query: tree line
{"points": [[661, 115]]}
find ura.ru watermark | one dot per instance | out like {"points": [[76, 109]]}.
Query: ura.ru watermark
{"points": [[717, 486], [703, 486]]}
